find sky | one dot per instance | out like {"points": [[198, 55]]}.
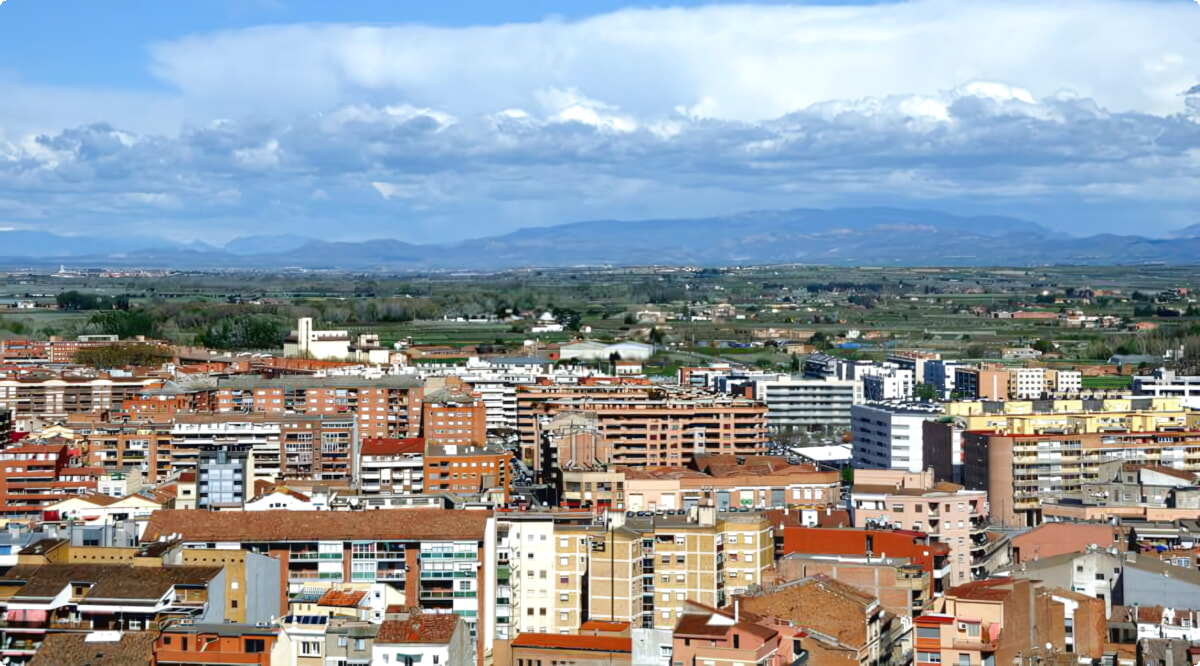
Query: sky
{"points": [[437, 121]]}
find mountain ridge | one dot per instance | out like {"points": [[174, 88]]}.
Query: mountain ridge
{"points": [[851, 236]]}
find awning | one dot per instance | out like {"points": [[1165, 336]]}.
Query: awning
{"points": [[27, 615]]}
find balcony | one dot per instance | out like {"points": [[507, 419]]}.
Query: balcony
{"points": [[974, 644], [446, 594], [312, 556]]}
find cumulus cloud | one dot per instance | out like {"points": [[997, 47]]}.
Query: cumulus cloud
{"points": [[430, 133], [732, 62]]}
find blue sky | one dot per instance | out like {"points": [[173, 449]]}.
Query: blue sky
{"points": [[210, 119]]}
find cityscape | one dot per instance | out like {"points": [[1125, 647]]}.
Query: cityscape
{"points": [[715, 333]]}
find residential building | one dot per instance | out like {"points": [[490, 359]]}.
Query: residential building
{"points": [[36, 475], [851, 627], [436, 559], [808, 404], [202, 644], [462, 469], [388, 466], [453, 418], [415, 636], [542, 568], [940, 374], [1021, 472], [705, 634], [649, 426], [983, 382], [1165, 383], [996, 621], [903, 588], [222, 477], [891, 435], [112, 648], [1052, 539], [643, 568], [52, 396], [945, 511], [578, 650], [723, 481], [886, 382], [933, 557], [1094, 573]]}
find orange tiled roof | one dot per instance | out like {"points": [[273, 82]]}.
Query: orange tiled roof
{"points": [[384, 446], [410, 524], [342, 598], [418, 629], [573, 642]]}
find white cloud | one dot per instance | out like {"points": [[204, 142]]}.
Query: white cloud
{"points": [[732, 62]]}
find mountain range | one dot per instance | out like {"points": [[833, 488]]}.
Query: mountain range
{"points": [[855, 236]]}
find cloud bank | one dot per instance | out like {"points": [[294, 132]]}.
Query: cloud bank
{"points": [[1073, 113]]}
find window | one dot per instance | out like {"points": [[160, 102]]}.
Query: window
{"points": [[562, 616], [964, 659], [255, 646], [562, 561], [929, 632], [342, 641], [464, 585], [542, 612], [930, 657], [972, 630], [310, 648], [360, 644], [1100, 576]]}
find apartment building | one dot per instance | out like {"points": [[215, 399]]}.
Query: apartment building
{"points": [[382, 407], [654, 426], [49, 395], [1165, 383], [705, 634], [47, 598], [435, 559], [807, 404], [391, 466], [886, 382], [467, 470], [940, 374], [987, 381], [36, 475], [1021, 472], [453, 418], [415, 636], [1034, 383], [996, 621], [891, 435], [643, 569], [931, 556], [202, 644], [543, 564], [902, 587], [723, 481], [851, 627], [945, 511]]}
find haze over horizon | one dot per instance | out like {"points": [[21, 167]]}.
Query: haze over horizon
{"points": [[215, 119]]}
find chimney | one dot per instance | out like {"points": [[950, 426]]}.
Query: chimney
{"points": [[736, 610]]}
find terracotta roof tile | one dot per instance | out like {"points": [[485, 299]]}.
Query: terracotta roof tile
{"points": [[418, 629], [130, 649], [821, 604], [110, 581], [410, 524], [342, 598], [381, 446], [574, 642]]}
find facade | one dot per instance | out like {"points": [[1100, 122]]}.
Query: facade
{"points": [[414, 636], [891, 435], [441, 561], [704, 634], [222, 477], [466, 469], [37, 475], [886, 383], [987, 622], [945, 511], [391, 466], [806, 404]]}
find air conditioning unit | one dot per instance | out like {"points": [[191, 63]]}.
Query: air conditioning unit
{"points": [[962, 626]]}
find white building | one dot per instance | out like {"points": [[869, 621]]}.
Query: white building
{"points": [[596, 351], [304, 342], [886, 382], [1164, 383], [808, 403], [891, 435]]}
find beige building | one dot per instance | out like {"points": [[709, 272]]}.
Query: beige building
{"points": [[945, 511], [645, 568]]}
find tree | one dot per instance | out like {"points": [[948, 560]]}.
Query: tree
{"points": [[122, 354], [1044, 346], [125, 323], [925, 392]]}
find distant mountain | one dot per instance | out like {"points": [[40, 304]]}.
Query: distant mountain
{"points": [[862, 236], [255, 245], [1190, 231]]}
